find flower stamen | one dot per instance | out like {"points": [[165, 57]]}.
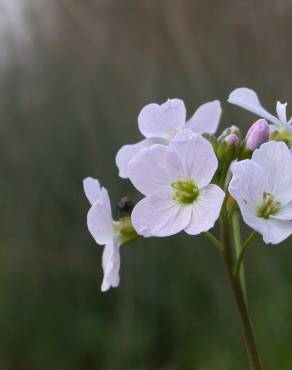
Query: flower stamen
{"points": [[269, 206], [185, 192]]}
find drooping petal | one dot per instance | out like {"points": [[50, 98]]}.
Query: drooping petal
{"points": [[99, 219], [152, 170], [281, 112], [162, 120], [206, 210], [273, 231], [198, 159], [206, 118], [127, 152], [248, 99], [159, 215], [111, 266], [248, 183], [276, 160], [91, 189]]}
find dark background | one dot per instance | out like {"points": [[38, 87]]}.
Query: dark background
{"points": [[74, 75]]}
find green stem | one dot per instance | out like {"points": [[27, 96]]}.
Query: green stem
{"points": [[248, 332], [238, 248], [214, 241], [246, 245]]}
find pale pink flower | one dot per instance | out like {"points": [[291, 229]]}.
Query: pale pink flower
{"points": [[262, 188], [175, 180], [102, 227], [159, 124]]}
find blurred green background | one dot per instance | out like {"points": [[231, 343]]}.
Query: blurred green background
{"points": [[74, 75]]}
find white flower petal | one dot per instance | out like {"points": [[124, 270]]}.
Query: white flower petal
{"points": [[276, 160], [153, 170], [198, 159], [248, 99], [248, 183], [206, 209], [127, 152], [162, 120], [159, 215], [285, 213], [206, 118], [281, 112], [111, 266], [184, 135], [91, 189], [99, 219], [273, 231]]}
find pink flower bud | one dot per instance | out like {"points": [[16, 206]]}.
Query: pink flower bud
{"points": [[257, 135], [232, 139]]}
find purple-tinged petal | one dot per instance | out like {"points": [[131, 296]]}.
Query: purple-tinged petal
{"points": [[159, 215], [153, 169], [198, 159], [184, 135], [111, 266], [276, 160], [127, 152], [281, 112], [163, 120], [248, 99], [206, 118], [257, 135], [99, 219], [206, 210], [248, 184], [91, 189]]}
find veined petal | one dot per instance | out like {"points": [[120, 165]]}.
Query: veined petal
{"points": [[248, 99], [111, 266], [163, 120], [152, 170], [205, 210], [198, 159], [206, 118], [184, 135], [159, 215], [127, 152], [281, 112], [248, 183], [99, 219], [285, 213], [276, 160], [91, 189], [273, 231]]}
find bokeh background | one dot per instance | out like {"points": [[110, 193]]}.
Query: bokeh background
{"points": [[73, 76]]}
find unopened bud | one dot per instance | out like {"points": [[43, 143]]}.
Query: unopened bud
{"points": [[228, 148], [228, 131], [257, 135]]}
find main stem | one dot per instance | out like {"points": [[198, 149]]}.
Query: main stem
{"points": [[248, 332]]}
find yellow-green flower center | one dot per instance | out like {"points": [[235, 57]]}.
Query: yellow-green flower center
{"points": [[269, 206], [124, 229], [282, 135], [185, 192]]}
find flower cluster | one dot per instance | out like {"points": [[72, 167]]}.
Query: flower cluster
{"points": [[189, 177]]}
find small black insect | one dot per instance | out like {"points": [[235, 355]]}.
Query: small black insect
{"points": [[125, 206]]}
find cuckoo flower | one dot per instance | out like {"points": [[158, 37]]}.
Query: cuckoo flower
{"points": [[160, 123], [105, 231], [248, 99], [175, 180], [262, 188]]}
